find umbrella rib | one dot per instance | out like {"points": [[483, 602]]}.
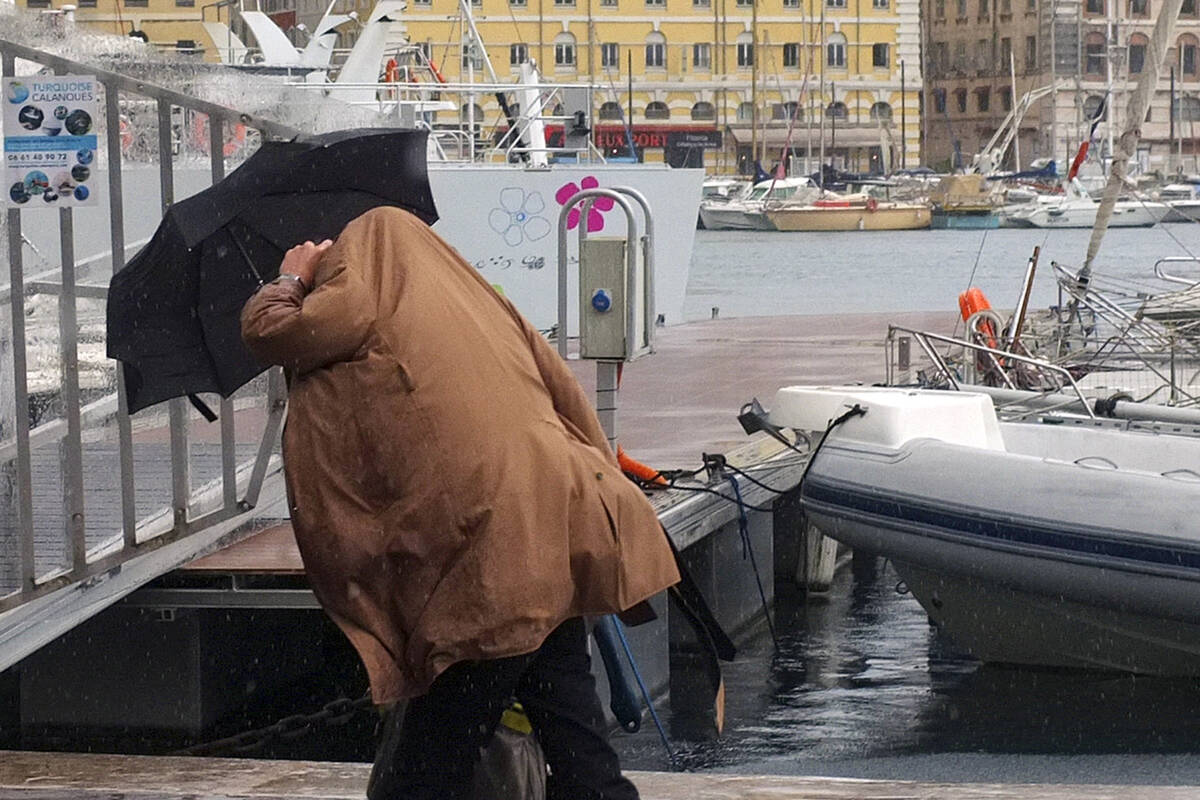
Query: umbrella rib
{"points": [[246, 256]]}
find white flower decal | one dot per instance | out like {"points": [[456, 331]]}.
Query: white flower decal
{"points": [[518, 217]]}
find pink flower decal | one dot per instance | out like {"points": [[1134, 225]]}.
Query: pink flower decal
{"points": [[600, 205]]}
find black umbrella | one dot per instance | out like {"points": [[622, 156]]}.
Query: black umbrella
{"points": [[174, 310]]}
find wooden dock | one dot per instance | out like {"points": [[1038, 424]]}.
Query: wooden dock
{"points": [[69, 776]]}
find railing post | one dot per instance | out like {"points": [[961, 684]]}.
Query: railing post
{"points": [[216, 147], [23, 478], [116, 219], [71, 446], [177, 409]]}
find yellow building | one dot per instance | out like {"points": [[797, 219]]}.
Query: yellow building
{"points": [[167, 24], [694, 77]]}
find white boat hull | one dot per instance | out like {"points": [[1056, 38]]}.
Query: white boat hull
{"points": [[1126, 214], [728, 217], [504, 220], [501, 218], [1054, 545]]}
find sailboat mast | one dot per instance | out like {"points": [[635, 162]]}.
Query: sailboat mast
{"points": [[753, 79], [1109, 51], [823, 56], [1139, 102]]}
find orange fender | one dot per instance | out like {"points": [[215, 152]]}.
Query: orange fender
{"points": [[638, 469], [971, 302]]}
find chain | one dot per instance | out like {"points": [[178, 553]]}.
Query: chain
{"points": [[335, 712]]}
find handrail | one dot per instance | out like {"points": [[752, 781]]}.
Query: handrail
{"points": [[1160, 272], [924, 337]]}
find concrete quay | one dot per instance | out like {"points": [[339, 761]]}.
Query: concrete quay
{"points": [[70, 776]]}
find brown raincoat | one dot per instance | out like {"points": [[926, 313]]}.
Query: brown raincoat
{"points": [[452, 492]]}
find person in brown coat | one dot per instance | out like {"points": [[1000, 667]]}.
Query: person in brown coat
{"points": [[454, 498]]}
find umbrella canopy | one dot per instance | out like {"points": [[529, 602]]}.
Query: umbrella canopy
{"points": [[174, 310]]}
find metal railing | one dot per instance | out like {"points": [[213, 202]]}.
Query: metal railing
{"points": [[195, 513]]}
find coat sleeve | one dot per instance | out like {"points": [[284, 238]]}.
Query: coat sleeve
{"points": [[282, 325]]}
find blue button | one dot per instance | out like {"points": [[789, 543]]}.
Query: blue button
{"points": [[601, 301]]}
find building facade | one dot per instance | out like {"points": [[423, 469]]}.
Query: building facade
{"points": [[167, 24], [715, 82], [1080, 52]]}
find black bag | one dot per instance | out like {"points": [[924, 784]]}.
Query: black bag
{"points": [[511, 766]]}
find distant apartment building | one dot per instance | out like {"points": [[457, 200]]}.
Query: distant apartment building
{"points": [[978, 51], [714, 82]]}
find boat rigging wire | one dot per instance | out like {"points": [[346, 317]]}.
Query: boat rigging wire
{"points": [[748, 552], [662, 731]]}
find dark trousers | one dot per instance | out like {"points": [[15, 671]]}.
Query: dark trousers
{"points": [[432, 752]]}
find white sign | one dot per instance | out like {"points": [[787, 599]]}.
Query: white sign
{"points": [[50, 140]]}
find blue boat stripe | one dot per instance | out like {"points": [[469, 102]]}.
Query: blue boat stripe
{"points": [[1000, 528]]}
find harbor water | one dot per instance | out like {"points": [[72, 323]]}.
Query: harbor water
{"points": [[756, 273]]}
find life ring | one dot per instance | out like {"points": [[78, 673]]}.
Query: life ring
{"points": [[872, 204], [973, 302], [391, 72]]}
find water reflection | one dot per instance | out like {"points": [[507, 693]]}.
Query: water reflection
{"points": [[864, 685]]}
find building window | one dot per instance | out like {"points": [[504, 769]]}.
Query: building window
{"points": [[745, 50], [514, 3], [879, 4], [703, 111], [881, 112], [1137, 53], [185, 3], [1006, 99], [745, 112], [960, 8], [745, 3], [471, 57], [835, 51], [518, 54], [1006, 8], [837, 110], [611, 110], [880, 57], [128, 4], [608, 3], [835, 3], [557, 3], [1093, 54], [1188, 9], [702, 55], [186, 46], [960, 56], [1095, 7], [657, 110], [1005, 54], [656, 47], [701, 3], [960, 99], [1030, 53], [39, 3], [564, 51], [1139, 8], [471, 114], [610, 55], [1187, 56], [786, 111], [87, 3], [791, 3], [983, 99], [1188, 110], [939, 101], [939, 9], [791, 55], [983, 55], [1031, 6], [983, 9]]}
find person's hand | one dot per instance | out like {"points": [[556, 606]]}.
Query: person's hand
{"points": [[302, 259]]}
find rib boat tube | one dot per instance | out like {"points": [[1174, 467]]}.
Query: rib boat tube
{"points": [[1026, 542]]}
